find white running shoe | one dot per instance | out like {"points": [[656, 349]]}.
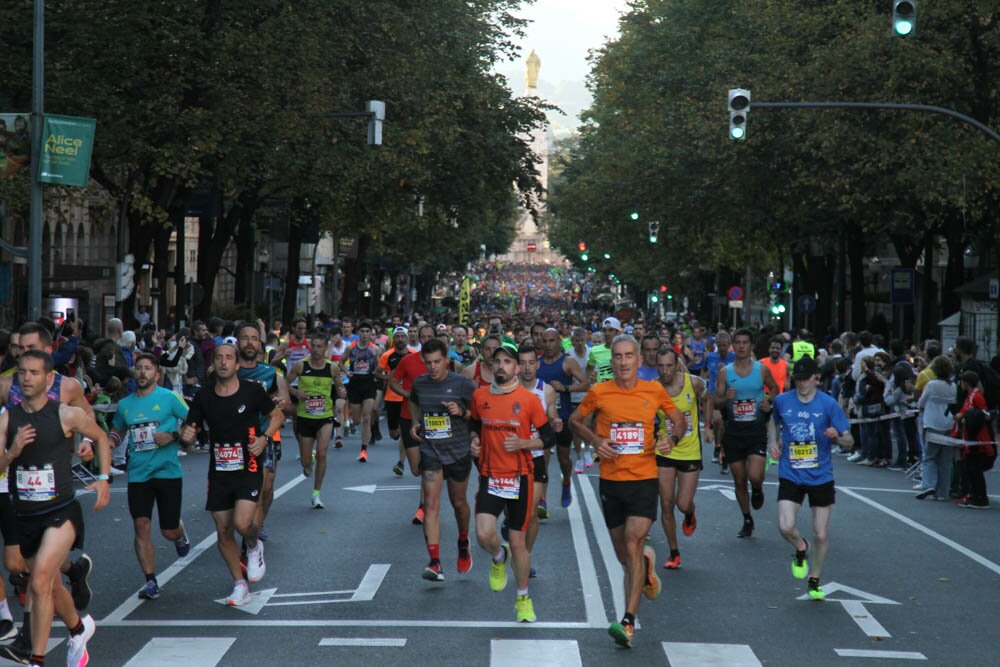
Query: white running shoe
{"points": [[240, 595], [113, 471], [588, 459], [578, 469], [76, 647], [317, 503], [255, 563], [855, 457]]}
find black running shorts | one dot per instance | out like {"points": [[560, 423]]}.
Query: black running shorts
{"points": [[681, 466], [164, 493], [453, 472], [518, 511], [620, 500], [822, 495], [224, 491], [31, 529], [8, 521]]}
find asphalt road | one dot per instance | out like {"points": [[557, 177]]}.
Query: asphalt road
{"points": [[905, 580]]}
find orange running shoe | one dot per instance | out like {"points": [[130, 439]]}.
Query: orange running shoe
{"points": [[690, 525], [363, 456], [418, 516], [464, 557], [653, 586], [673, 563]]}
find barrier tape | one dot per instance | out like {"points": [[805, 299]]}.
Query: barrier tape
{"points": [[942, 439], [909, 414]]}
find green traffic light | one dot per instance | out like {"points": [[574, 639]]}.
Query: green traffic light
{"points": [[670, 296], [654, 298], [607, 255], [737, 133], [584, 257], [634, 215], [903, 27]]}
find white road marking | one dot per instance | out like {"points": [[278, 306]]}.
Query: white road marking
{"points": [[831, 587], [710, 655], [175, 568], [332, 623], [361, 641], [866, 653], [616, 575], [535, 652], [257, 601], [370, 583], [372, 488], [182, 651], [727, 491], [592, 599], [302, 595], [860, 615], [965, 551]]}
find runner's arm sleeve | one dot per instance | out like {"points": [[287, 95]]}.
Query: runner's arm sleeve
{"points": [[476, 426], [547, 435]]}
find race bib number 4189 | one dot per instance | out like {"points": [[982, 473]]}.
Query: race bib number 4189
{"points": [[628, 437]]}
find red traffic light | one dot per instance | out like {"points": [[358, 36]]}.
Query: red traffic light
{"points": [[532, 247], [582, 246], [663, 288]]}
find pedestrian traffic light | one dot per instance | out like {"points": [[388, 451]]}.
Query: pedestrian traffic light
{"points": [[904, 17], [634, 216], [654, 231], [777, 309], [739, 108]]}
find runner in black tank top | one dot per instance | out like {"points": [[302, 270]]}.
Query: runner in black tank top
{"points": [[36, 440]]}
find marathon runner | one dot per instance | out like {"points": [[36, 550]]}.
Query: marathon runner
{"points": [[360, 364], [338, 348], [440, 403], [36, 438], [625, 410], [503, 415], [393, 401], [232, 412], [150, 419], [599, 364], [273, 382], [562, 373], [722, 355], [481, 372], [319, 382], [650, 346], [580, 353], [679, 470], [739, 390], [696, 349], [810, 421]]}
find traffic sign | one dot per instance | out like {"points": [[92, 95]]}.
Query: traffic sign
{"points": [[903, 286], [735, 293], [735, 303], [807, 303]]}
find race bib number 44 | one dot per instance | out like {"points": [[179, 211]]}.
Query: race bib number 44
{"points": [[803, 455], [36, 485], [628, 437], [143, 436], [508, 488], [745, 411], [228, 458]]}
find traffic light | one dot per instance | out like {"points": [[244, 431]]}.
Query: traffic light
{"points": [[777, 309], [904, 17], [739, 108], [654, 298], [582, 246], [125, 277], [607, 255], [654, 230], [584, 257], [634, 216], [663, 288]]}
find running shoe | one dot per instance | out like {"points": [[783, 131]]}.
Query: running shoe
{"points": [[7, 629], [79, 586], [690, 524], [183, 544], [800, 565], [352, 428], [525, 609], [115, 470], [854, 458], [363, 456], [815, 592], [622, 633], [674, 562], [418, 516], [150, 591], [307, 470], [724, 469], [498, 571], [578, 468], [543, 509], [968, 503], [240, 595], [746, 531], [653, 585], [19, 580], [588, 459], [376, 432], [715, 456], [926, 493], [433, 572], [757, 497], [255, 563], [397, 469], [567, 495], [18, 651], [532, 573], [76, 646], [317, 504], [338, 443], [464, 557]]}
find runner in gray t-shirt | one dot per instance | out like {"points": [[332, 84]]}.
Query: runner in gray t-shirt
{"points": [[440, 405]]}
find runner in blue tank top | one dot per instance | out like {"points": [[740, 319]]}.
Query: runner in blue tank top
{"points": [[739, 391]]}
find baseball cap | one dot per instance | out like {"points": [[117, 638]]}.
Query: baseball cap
{"points": [[508, 348], [805, 368], [442, 327], [629, 329], [612, 323], [400, 330]]}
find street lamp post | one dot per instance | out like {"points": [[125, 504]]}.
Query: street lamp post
{"points": [[37, 119]]}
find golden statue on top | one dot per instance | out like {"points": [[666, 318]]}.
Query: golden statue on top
{"points": [[533, 64]]}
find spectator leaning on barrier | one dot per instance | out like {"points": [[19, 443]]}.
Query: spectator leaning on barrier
{"points": [[972, 425], [935, 403]]}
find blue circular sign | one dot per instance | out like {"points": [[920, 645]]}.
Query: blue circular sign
{"points": [[807, 303], [735, 293]]}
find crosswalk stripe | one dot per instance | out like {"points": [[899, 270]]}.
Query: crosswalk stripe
{"points": [[536, 652], [710, 655], [361, 641], [182, 652]]}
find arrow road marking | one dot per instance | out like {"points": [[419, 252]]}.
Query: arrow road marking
{"points": [[856, 609], [365, 592], [372, 488], [727, 491]]}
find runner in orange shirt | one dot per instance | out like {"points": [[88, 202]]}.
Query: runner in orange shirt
{"points": [[625, 410], [393, 401], [504, 414]]}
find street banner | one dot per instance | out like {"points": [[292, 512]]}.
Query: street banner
{"points": [[15, 142], [67, 142], [464, 302]]}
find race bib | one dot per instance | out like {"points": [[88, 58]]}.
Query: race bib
{"points": [[228, 458], [315, 405], [361, 367], [143, 436], [690, 425], [803, 455], [4, 485], [745, 410], [628, 437], [36, 485], [437, 427], [508, 488]]}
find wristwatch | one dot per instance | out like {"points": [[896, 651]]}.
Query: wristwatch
{"points": [[102, 478]]}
